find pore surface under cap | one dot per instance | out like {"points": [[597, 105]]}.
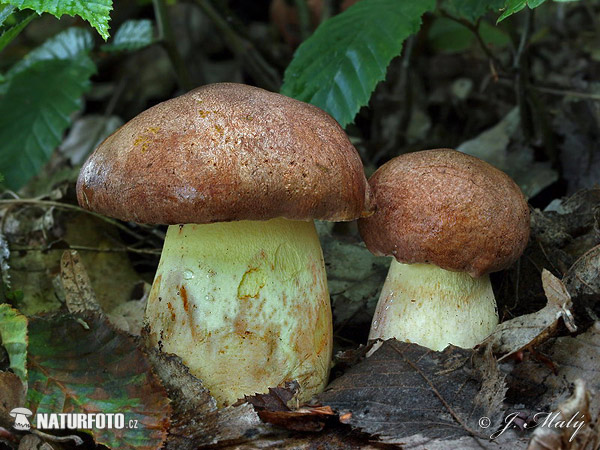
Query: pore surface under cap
{"points": [[449, 209], [226, 152]]}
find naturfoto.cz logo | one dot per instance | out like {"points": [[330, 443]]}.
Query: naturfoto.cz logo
{"points": [[71, 421]]}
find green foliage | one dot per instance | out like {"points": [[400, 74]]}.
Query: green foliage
{"points": [[338, 67], [71, 44], [96, 12], [35, 112], [89, 367], [471, 10], [132, 35], [13, 334], [514, 6], [449, 36], [11, 30], [40, 93]]}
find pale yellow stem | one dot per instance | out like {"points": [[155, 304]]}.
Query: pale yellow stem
{"points": [[433, 307], [245, 305]]}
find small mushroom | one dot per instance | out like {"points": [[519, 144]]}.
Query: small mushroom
{"points": [[448, 219], [21, 421], [239, 173]]}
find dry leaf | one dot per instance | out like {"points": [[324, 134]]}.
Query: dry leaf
{"points": [[76, 369], [79, 294], [277, 399], [12, 395], [196, 421], [569, 427], [533, 329], [129, 316], [582, 278], [546, 383], [308, 418], [410, 395]]}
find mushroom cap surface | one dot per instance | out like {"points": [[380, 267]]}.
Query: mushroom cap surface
{"points": [[449, 209], [226, 152]]}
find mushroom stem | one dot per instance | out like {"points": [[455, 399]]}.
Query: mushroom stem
{"points": [[245, 305], [433, 307]]}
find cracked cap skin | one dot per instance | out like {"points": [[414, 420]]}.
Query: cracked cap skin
{"points": [[446, 208], [226, 152]]}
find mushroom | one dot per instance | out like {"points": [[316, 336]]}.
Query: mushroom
{"points": [[21, 421], [448, 219], [239, 174]]}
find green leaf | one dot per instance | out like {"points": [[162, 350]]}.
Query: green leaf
{"points": [[450, 36], [8, 33], [35, 112], [338, 67], [82, 367], [5, 12], [96, 12], [66, 45], [447, 35], [13, 333], [471, 10], [514, 6], [132, 35]]}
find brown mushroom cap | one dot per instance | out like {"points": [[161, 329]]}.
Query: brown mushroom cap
{"points": [[446, 208], [226, 152]]}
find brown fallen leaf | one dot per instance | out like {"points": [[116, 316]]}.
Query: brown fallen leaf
{"points": [[570, 426], [79, 295], [531, 330], [308, 418], [196, 421], [582, 277], [539, 386], [12, 395], [409, 395], [276, 399], [274, 408]]}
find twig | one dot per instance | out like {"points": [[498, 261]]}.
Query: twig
{"points": [[82, 248], [50, 437], [563, 92], [167, 39], [257, 66], [68, 206], [474, 28], [520, 63]]}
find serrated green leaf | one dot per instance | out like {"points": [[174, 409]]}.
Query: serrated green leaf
{"points": [[5, 12], [8, 33], [66, 45], [338, 67], [80, 369], [35, 111], [96, 12], [513, 6], [471, 10], [132, 35], [13, 334]]}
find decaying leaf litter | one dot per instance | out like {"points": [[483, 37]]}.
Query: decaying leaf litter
{"points": [[78, 280]]}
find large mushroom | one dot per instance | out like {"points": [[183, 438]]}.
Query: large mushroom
{"points": [[448, 219], [239, 173]]}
